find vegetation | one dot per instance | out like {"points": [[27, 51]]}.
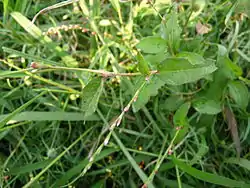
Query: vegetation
{"points": [[124, 93]]}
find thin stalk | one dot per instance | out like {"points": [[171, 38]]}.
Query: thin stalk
{"points": [[178, 175], [42, 79], [101, 72], [57, 5], [160, 161]]}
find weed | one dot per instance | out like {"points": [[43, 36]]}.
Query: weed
{"points": [[124, 93]]}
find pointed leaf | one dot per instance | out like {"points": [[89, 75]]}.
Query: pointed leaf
{"points": [[12, 74], [116, 5], [193, 58], [91, 95], [239, 92], [180, 116], [221, 77], [177, 71], [6, 118], [172, 103], [171, 32], [143, 65], [152, 44], [181, 121], [155, 59], [150, 89], [208, 177], [207, 106], [48, 116]]}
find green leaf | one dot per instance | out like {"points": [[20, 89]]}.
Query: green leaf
{"points": [[150, 89], [193, 58], [12, 74], [222, 50], [207, 106], [143, 65], [152, 45], [180, 120], [239, 92], [208, 177], [172, 103], [90, 95], [233, 68], [229, 69], [155, 59], [221, 77], [180, 116], [192, 45], [48, 116], [171, 32], [177, 71], [241, 162]]}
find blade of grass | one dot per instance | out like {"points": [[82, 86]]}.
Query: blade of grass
{"points": [[29, 167], [235, 35], [161, 158], [19, 109], [208, 177], [12, 74], [241, 162], [117, 7], [42, 79], [140, 173], [243, 55], [5, 10]]}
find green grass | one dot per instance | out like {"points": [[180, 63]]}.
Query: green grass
{"points": [[124, 93]]}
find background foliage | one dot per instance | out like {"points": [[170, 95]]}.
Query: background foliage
{"points": [[124, 93]]}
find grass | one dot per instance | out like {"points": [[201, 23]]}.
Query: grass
{"points": [[124, 94]]}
